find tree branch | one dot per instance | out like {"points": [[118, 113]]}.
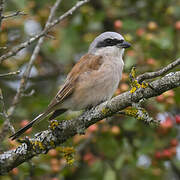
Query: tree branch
{"points": [[9, 74], [151, 75], [18, 13], [53, 137], [21, 46], [1, 11], [7, 124]]}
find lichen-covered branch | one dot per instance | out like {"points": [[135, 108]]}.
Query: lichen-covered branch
{"points": [[21, 46], [61, 131]]}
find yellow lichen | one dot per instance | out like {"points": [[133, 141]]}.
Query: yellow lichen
{"points": [[134, 83], [133, 89], [131, 112], [41, 145], [144, 85], [52, 144], [133, 72], [105, 110], [53, 124], [68, 154], [37, 145]]}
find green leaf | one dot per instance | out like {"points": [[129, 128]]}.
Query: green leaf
{"points": [[119, 161], [109, 175]]}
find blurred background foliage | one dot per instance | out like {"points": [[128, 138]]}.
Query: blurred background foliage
{"points": [[117, 148]]}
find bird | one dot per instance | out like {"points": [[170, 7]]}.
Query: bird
{"points": [[93, 79]]}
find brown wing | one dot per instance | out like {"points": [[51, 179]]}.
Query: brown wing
{"points": [[87, 63]]}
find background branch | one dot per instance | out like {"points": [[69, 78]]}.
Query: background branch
{"points": [[49, 139], [1, 11], [21, 46], [27, 71], [9, 74], [7, 124], [18, 13], [151, 75]]}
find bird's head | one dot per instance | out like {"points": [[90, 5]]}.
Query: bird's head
{"points": [[107, 42]]}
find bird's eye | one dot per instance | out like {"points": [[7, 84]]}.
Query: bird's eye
{"points": [[108, 40]]}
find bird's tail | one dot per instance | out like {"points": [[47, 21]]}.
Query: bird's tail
{"points": [[22, 130]]}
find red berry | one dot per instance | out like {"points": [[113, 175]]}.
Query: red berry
{"points": [[52, 152], [93, 128], [173, 150], [177, 25], [131, 53], [118, 24], [15, 171], [24, 123], [167, 153], [158, 155], [89, 158], [151, 61], [174, 142], [160, 98], [115, 130], [177, 117], [167, 124], [140, 31]]}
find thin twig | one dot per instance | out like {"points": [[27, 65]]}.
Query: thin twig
{"points": [[1, 11], [9, 74], [151, 75], [16, 49], [29, 94], [3, 105], [3, 48], [18, 13], [27, 71], [7, 125]]}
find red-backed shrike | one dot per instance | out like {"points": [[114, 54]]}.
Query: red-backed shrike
{"points": [[91, 81]]}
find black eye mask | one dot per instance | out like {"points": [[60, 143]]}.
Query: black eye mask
{"points": [[109, 42]]}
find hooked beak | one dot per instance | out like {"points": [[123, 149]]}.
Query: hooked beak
{"points": [[124, 45]]}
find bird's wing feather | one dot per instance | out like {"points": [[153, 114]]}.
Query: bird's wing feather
{"points": [[87, 63]]}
